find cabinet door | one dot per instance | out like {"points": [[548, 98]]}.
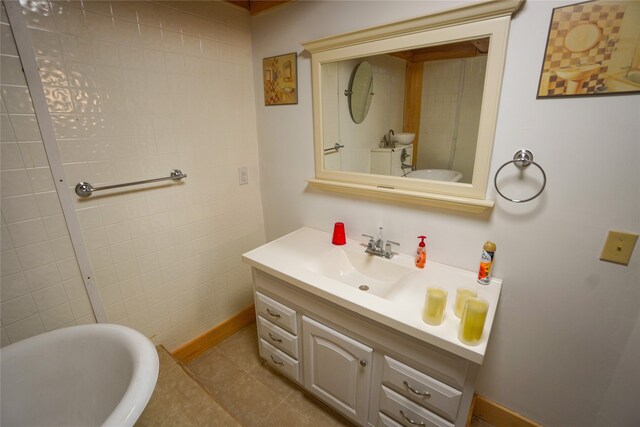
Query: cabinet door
{"points": [[380, 163], [337, 369]]}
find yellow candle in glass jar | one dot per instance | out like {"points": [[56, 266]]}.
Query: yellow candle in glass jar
{"points": [[434, 306], [472, 324], [462, 294]]}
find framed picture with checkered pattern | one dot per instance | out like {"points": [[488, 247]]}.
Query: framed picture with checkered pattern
{"points": [[593, 48], [280, 75]]}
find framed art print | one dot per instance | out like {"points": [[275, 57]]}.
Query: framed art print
{"points": [[593, 48], [280, 75]]}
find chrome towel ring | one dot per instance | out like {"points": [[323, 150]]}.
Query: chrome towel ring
{"points": [[522, 159]]}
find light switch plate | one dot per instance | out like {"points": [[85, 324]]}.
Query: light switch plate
{"points": [[243, 175], [618, 247]]}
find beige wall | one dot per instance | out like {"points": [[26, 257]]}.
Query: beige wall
{"points": [[41, 288], [136, 89], [565, 332]]}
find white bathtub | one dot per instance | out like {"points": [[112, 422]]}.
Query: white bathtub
{"points": [[87, 375], [436, 174]]}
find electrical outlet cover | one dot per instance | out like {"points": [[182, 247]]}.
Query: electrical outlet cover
{"points": [[618, 247]]}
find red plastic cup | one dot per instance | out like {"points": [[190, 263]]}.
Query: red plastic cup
{"points": [[338, 234]]}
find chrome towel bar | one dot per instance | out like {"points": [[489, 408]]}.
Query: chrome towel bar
{"points": [[334, 149], [84, 189]]}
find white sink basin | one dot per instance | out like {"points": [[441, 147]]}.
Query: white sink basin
{"points": [[368, 273], [576, 75], [577, 72], [404, 138]]}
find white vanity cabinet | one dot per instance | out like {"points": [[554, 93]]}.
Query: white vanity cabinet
{"points": [[370, 373], [388, 161], [277, 346], [337, 369]]}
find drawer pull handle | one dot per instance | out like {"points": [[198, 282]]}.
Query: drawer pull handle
{"points": [[421, 423], [276, 361], [414, 391], [276, 339], [272, 314]]}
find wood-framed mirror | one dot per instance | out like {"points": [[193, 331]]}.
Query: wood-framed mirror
{"points": [[443, 166]]}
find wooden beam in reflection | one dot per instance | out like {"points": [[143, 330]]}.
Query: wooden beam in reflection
{"points": [[466, 49], [413, 103]]}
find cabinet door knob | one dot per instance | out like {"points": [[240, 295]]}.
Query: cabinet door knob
{"points": [[363, 363]]}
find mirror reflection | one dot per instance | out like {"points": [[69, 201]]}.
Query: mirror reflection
{"points": [[423, 120], [360, 91]]}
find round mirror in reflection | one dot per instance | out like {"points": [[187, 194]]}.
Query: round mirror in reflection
{"points": [[360, 91]]}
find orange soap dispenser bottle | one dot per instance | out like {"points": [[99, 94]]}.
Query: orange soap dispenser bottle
{"points": [[421, 254]]}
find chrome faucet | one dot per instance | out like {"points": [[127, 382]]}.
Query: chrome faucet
{"points": [[388, 138], [406, 168], [379, 247]]}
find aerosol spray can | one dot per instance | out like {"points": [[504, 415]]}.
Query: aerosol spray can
{"points": [[486, 263]]}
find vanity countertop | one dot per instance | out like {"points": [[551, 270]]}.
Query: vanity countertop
{"points": [[289, 257]]}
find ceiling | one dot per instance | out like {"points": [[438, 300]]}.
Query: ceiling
{"points": [[257, 6]]}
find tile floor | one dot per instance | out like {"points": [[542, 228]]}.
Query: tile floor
{"points": [[229, 385], [251, 392], [179, 400]]}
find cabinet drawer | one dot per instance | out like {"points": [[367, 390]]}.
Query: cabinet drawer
{"points": [[384, 421], [277, 313], [408, 413], [279, 360], [278, 337], [421, 388]]}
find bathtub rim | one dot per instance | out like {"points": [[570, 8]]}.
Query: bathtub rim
{"points": [[144, 358]]}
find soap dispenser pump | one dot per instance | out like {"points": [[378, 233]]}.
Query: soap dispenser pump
{"points": [[421, 253]]}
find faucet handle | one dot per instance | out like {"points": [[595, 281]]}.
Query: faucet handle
{"points": [[371, 239], [371, 243], [388, 253]]}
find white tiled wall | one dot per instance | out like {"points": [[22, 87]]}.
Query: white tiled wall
{"points": [[385, 111], [136, 89], [440, 95], [41, 288], [469, 119]]}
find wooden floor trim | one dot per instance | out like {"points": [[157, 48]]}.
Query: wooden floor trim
{"points": [[498, 415], [213, 336]]}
